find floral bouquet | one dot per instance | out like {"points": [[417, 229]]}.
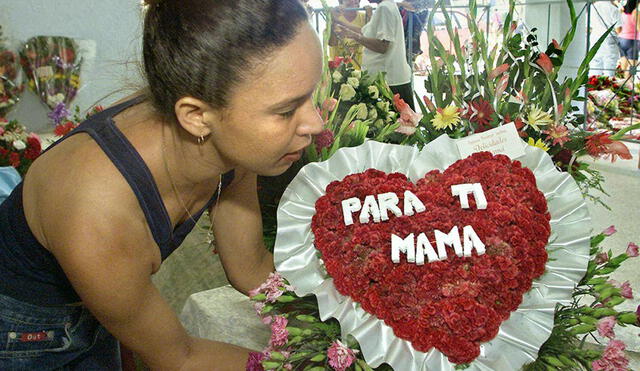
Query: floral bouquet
{"points": [[52, 67], [17, 147], [611, 99], [64, 123], [10, 87], [515, 82]]}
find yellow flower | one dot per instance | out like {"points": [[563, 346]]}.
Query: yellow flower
{"points": [[446, 118], [539, 144], [537, 117]]}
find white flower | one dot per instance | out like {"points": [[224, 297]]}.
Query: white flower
{"points": [[373, 92], [353, 82], [347, 92], [356, 73], [19, 145], [383, 106], [362, 113], [337, 76], [373, 114], [54, 100]]}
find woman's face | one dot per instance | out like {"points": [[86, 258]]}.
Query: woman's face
{"points": [[270, 117]]}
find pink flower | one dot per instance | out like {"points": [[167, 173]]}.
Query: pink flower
{"points": [[605, 327], [324, 139], [254, 362], [498, 71], [545, 62], [429, 103], [602, 258], [559, 134], [279, 333], [258, 307], [625, 288], [272, 287], [609, 231], [408, 119], [556, 45], [340, 356], [626, 291], [617, 148], [613, 358], [632, 250], [329, 104], [501, 86]]}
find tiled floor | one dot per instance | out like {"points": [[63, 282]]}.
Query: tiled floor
{"points": [[193, 268]]}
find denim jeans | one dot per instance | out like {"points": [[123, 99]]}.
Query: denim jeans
{"points": [[53, 338]]}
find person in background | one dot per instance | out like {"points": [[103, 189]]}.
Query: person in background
{"points": [[384, 47], [104, 206], [346, 47], [604, 15], [414, 18], [629, 37]]}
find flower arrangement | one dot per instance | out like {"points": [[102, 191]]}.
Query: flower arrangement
{"points": [[64, 123], [612, 100], [10, 86], [18, 148], [52, 68], [515, 82], [464, 301]]}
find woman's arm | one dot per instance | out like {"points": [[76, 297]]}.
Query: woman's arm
{"points": [[237, 226], [376, 45], [109, 257]]}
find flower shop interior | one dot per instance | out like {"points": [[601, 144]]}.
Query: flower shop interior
{"points": [[475, 65]]}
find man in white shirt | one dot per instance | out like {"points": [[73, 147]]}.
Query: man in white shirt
{"points": [[605, 14], [384, 49]]}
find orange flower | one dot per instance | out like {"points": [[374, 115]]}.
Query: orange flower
{"points": [[545, 62], [498, 71]]}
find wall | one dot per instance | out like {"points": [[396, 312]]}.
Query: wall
{"points": [[109, 34]]}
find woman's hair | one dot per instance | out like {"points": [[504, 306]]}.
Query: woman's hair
{"points": [[203, 48], [630, 6]]}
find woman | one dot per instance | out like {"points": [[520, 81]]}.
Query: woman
{"points": [[629, 37], [384, 47], [100, 210], [345, 47]]}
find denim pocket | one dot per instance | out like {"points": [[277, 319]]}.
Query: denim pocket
{"points": [[29, 331]]}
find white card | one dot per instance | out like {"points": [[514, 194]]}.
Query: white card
{"points": [[502, 140]]}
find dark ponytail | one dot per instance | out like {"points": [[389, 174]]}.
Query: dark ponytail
{"points": [[630, 6], [200, 48]]}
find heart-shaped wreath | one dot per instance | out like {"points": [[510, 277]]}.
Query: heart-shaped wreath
{"points": [[418, 298]]}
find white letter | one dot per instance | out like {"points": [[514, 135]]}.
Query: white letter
{"points": [[471, 240], [453, 238], [462, 190], [478, 194], [412, 202], [399, 245], [424, 247], [370, 207], [349, 206], [388, 202]]}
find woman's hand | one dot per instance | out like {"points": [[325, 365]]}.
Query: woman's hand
{"points": [[344, 32]]}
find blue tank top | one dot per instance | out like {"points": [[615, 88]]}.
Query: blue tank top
{"points": [[30, 273]]}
